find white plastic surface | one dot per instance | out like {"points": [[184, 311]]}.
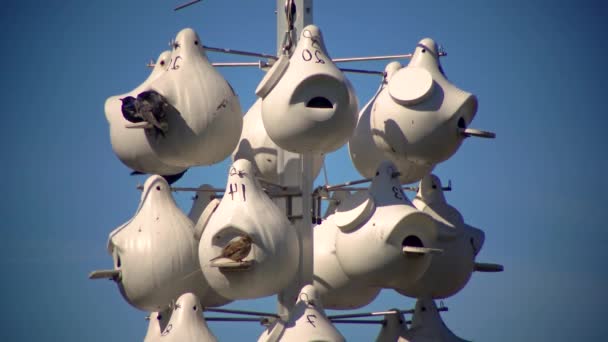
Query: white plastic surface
{"points": [[256, 146], [354, 210], [416, 120], [200, 201], [187, 323], [410, 86], [246, 209], [205, 217], [372, 254], [157, 322], [364, 153], [272, 76], [307, 323], [450, 270], [336, 198], [156, 252], [209, 120], [337, 291], [203, 208], [394, 327], [313, 106], [131, 145], [427, 325]]}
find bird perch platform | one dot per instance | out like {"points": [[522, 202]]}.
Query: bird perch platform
{"points": [[226, 264]]}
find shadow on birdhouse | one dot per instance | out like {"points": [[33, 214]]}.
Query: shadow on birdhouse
{"points": [[335, 288], [256, 146], [364, 153]]}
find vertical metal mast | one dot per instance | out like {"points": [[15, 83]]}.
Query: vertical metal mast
{"points": [[295, 169]]}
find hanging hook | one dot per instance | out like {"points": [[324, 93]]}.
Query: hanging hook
{"points": [[290, 14]]}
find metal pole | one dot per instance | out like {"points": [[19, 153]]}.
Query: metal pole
{"points": [[296, 170]]}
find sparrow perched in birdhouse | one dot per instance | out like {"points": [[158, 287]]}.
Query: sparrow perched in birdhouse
{"points": [[237, 249]]}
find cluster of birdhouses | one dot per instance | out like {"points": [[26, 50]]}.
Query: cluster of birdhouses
{"points": [[239, 244]]}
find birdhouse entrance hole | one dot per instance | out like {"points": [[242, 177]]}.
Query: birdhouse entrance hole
{"points": [[412, 241], [319, 102]]}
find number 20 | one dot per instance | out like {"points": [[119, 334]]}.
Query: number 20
{"points": [[307, 56]]}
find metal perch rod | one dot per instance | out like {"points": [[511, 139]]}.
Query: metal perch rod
{"points": [[360, 321], [345, 184], [335, 60], [242, 312], [240, 52], [186, 5], [379, 313], [370, 58], [377, 58], [236, 319], [406, 188], [176, 188], [259, 64], [368, 314], [288, 192], [361, 71], [262, 64]]}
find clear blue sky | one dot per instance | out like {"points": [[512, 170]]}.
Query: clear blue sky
{"points": [[538, 190]]}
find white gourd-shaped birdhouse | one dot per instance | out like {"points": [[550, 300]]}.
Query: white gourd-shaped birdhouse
{"points": [[308, 105], [451, 270], [155, 252], [307, 322], [427, 325], [131, 145], [256, 146], [187, 323], [248, 248], [420, 119], [364, 153], [334, 287], [383, 240], [202, 114]]}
